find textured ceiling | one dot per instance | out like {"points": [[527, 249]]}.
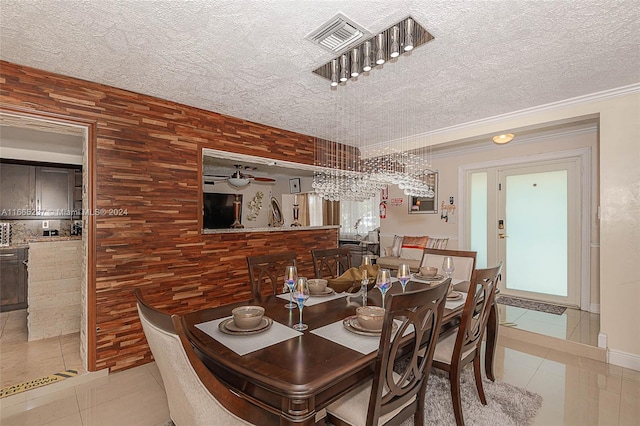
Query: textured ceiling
{"points": [[249, 58]]}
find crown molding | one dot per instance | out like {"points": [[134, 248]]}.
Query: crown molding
{"points": [[598, 96]]}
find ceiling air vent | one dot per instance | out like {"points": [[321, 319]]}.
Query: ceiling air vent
{"points": [[337, 33]]}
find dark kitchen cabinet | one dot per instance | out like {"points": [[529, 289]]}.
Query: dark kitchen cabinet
{"points": [[35, 192], [13, 279], [18, 190]]}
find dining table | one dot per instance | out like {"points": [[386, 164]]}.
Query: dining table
{"points": [[294, 375]]}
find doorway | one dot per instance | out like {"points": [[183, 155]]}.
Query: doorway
{"points": [[529, 215], [74, 349]]}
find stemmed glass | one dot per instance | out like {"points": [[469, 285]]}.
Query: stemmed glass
{"points": [[383, 282], [290, 278], [447, 265], [301, 294], [404, 273]]}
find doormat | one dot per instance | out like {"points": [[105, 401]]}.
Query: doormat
{"points": [[36, 383], [532, 305]]}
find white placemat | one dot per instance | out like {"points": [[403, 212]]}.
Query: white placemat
{"points": [[314, 300], [340, 335], [243, 345], [452, 304]]}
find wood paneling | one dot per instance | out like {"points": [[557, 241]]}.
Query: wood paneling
{"points": [[147, 155]]}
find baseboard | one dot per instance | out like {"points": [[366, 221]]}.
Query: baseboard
{"points": [[624, 359], [594, 308]]}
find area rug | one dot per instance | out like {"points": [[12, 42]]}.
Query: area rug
{"points": [[531, 304], [507, 405], [36, 383]]}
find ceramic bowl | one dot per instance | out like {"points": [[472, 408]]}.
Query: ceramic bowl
{"points": [[370, 317], [247, 317], [317, 285], [428, 271]]}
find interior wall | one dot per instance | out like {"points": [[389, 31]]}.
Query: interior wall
{"points": [[148, 154]]}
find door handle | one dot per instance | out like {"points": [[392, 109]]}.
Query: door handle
{"points": [[502, 236]]}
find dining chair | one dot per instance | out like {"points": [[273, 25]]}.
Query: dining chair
{"points": [[459, 349], [464, 261], [268, 271], [194, 393], [391, 397], [331, 263]]}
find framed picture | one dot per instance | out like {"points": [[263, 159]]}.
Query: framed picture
{"points": [[419, 205], [294, 185]]}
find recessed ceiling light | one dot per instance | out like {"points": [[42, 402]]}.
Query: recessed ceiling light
{"points": [[504, 138]]}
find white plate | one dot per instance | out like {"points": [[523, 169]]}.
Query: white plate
{"points": [[229, 327], [327, 292], [351, 323], [455, 295], [433, 278]]}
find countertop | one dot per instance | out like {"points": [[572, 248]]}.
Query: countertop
{"points": [[270, 229], [44, 240]]}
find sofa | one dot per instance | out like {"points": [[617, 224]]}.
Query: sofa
{"points": [[409, 250]]}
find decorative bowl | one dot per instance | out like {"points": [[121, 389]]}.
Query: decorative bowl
{"points": [[370, 317], [317, 285], [428, 271], [246, 317]]}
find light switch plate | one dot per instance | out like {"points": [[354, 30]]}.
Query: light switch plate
{"points": [[45, 224]]}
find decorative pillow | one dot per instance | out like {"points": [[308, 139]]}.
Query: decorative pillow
{"points": [[412, 247], [397, 246], [437, 243]]}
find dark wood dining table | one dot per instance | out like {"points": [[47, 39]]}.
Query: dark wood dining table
{"points": [[294, 379]]}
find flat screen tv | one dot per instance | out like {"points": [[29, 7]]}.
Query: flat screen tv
{"points": [[218, 210]]}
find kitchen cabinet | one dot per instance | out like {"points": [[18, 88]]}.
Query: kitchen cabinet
{"points": [[13, 279], [34, 192], [18, 187]]}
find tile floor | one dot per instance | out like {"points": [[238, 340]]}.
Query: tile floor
{"points": [[21, 360], [576, 390], [573, 325]]}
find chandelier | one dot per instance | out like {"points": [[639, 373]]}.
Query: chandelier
{"points": [[342, 174], [345, 172]]}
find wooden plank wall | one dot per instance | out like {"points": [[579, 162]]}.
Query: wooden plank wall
{"points": [[148, 152]]}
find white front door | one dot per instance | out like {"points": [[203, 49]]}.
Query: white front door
{"points": [[528, 217]]}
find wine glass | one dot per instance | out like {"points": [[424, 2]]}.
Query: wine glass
{"points": [[290, 278], [301, 294], [447, 265], [383, 282], [404, 273], [366, 260]]}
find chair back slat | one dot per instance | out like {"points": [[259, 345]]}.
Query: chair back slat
{"points": [[464, 261], [267, 272], [419, 313], [331, 263], [475, 315]]}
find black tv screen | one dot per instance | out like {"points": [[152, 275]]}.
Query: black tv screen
{"points": [[218, 210]]}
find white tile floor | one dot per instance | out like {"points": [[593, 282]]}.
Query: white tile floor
{"points": [[576, 390], [21, 360]]}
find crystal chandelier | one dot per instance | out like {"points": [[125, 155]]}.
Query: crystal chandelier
{"points": [[341, 173]]}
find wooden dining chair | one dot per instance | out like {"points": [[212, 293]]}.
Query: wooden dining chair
{"points": [[195, 395], [459, 349], [331, 263], [268, 271], [464, 261], [391, 397]]}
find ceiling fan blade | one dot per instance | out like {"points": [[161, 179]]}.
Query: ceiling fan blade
{"points": [[263, 179]]}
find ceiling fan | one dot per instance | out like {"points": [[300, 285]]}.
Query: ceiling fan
{"points": [[237, 178]]}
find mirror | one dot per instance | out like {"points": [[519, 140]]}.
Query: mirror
{"points": [[276, 218]]}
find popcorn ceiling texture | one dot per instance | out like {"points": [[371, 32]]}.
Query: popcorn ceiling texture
{"points": [[249, 59]]}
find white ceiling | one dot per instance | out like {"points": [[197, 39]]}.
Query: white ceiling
{"points": [[249, 59]]}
